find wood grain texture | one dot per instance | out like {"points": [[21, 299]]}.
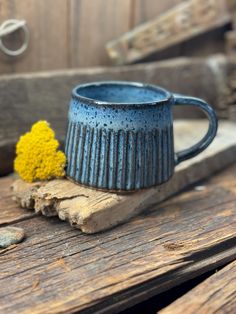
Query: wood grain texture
{"points": [[203, 45], [47, 21], [216, 294], [64, 33], [92, 25], [181, 23], [93, 211], [6, 66], [30, 97], [144, 11], [59, 270], [73, 33]]}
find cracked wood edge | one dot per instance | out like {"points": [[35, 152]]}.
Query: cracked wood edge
{"points": [[153, 287]]}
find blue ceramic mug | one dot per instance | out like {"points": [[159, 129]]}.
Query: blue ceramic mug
{"points": [[120, 135]]}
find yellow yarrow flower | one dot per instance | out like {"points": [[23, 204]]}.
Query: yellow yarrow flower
{"points": [[37, 155]]}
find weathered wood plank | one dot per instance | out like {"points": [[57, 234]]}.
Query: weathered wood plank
{"points": [[27, 98], [5, 12], [93, 211], [183, 22], [144, 11], [73, 33], [92, 24], [59, 270], [216, 294], [48, 25]]}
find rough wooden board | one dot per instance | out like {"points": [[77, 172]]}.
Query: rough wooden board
{"points": [[93, 211], [27, 98], [48, 46], [58, 269], [202, 45], [216, 294], [144, 11], [92, 24], [74, 34], [182, 22]]}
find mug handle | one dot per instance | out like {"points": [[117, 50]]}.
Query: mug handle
{"points": [[212, 129]]}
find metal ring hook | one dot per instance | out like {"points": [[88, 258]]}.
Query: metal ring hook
{"points": [[9, 27]]}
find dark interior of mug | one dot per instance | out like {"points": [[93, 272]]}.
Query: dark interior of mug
{"points": [[121, 92]]}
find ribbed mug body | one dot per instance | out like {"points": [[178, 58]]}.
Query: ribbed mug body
{"points": [[119, 146]]}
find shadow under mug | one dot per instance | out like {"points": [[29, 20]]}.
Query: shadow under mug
{"points": [[120, 135]]}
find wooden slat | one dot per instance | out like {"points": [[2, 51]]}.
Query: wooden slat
{"points": [[47, 21], [216, 294], [183, 22], [6, 66], [73, 33], [57, 269], [144, 11], [93, 23], [48, 25], [204, 45]]}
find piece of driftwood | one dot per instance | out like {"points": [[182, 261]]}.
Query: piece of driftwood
{"points": [[180, 23], [57, 269], [217, 294], [92, 211], [26, 98]]}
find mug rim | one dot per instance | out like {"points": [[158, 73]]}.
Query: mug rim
{"points": [[87, 100]]}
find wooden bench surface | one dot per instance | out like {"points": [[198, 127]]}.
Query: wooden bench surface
{"points": [[57, 269]]}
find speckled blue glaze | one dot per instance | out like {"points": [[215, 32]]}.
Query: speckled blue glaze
{"points": [[120, 135]]}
